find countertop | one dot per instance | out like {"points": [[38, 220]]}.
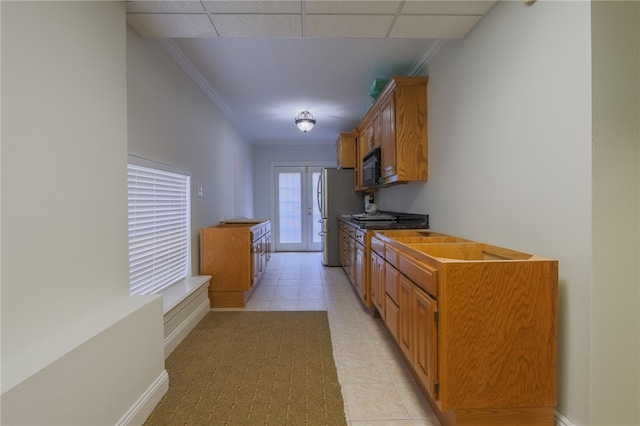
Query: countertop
{"points": [[404, 221]]}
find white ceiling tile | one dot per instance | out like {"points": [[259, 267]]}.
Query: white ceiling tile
{"points": [[171, 25], [258, 25], [425, 26], [253, 7], [180, 6], [446, 7], [361, 26], [331, 7]]}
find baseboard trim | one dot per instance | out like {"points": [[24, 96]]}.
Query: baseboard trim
{"points": [[177, 335], [561, 420], [143, 407]]}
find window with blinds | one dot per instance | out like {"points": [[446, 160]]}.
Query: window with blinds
{"points": [[158, 228]]}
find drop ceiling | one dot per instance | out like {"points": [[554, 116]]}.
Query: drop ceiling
{"points": [[263, 62]]}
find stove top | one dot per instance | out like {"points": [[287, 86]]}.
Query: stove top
{"points": [[374, 217]]}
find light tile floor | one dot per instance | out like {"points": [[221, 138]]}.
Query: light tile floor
{"points": [[376, 385]]}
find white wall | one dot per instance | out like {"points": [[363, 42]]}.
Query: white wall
{"points": [[172, 121], [65, 288], [264, 159], [510, 163], [615, 295]]}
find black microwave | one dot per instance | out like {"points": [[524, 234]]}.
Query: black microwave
{"points": [[371, 174]]}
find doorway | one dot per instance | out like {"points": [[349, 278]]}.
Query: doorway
{"points": [[298, 221]]}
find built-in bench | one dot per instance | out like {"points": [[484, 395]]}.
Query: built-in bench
{"points": [[185, 304]]}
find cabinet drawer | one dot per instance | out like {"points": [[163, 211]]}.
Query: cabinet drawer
{"points": [[257, 232], [377, 246], [425, 277], [391, 255], [391, 282], [360, 235], [391, 317], [351, 231]]}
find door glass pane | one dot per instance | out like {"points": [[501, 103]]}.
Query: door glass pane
{"points": [[316, 218], [290, 207]]}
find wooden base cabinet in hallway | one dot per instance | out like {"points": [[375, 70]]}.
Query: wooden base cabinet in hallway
{"points": [[477, 324], [354, 258], [235, 253]]}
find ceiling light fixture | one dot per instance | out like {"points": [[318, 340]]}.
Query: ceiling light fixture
{"points": [[305, 121]]}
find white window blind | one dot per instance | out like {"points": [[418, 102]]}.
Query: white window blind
{"points": [[158, 228]]}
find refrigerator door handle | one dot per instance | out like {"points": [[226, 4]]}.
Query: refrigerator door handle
{"points": [[319, 193]]}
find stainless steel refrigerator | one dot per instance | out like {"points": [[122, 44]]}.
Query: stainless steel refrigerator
{"points": [[336, 197]]}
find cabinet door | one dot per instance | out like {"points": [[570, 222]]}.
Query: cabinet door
{"points": [[369, 135], [391, 282], [375, 132], [405, 317], [426, 340], [346, 150], [255, 262], [352, 260], [378, 295], [360, 153], [359, 274], [388, 137], [343, 239]]}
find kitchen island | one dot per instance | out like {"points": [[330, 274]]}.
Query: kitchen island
{"points": [[234, 253]]}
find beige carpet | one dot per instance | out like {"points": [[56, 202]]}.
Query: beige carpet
{"points": [[253, 368]]}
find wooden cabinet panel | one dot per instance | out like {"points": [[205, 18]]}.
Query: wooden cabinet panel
{"points": [[426, 341], [359, 273], [391, 317], [479, 332], [344, 247], [405, 320], [235, 255], [391, 255], [377, 281], [388, 137], [346, 150], [357, 266], [397, 123], [424, 276], [391, 281], [410, 134]]}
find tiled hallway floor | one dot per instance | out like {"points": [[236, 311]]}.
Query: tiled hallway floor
{"points": [[376, 385]]}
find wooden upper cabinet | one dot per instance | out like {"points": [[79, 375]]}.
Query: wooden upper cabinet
{"points": [[403, 113], [397, 123], [369, 135], [346, 150], [388, 136], [362, 144]]}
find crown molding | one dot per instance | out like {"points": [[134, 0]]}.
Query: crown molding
{"points": [[419, 67], [178, 55]]}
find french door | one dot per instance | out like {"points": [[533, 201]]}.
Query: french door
{"points": [[297, 214]]}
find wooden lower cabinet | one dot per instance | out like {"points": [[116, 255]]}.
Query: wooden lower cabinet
{"points": [[235, 254], [478, 329], [406, 326], [359, 272], [355, 259], [392, 311], [425, 339], [377, 284]]}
